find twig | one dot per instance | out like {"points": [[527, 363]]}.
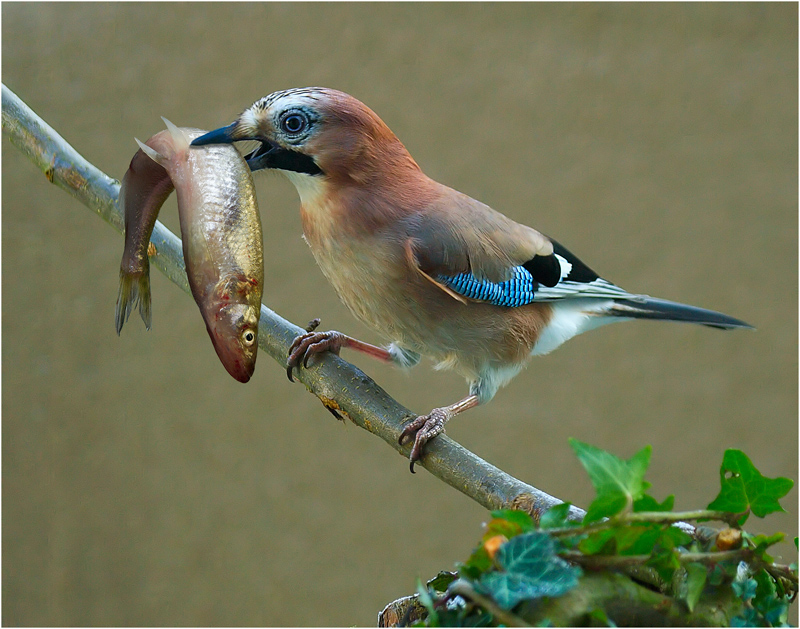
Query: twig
{"points": [[654, 517], [626, 561], [338, 384], [501, 616]]}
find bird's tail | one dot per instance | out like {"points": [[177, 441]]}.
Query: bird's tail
{"points": [[652, 308]]}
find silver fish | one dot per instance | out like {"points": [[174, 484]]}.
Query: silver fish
{"points": [[221, 232]]}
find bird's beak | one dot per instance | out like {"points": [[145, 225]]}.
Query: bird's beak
{"points": [[256, 160], [268, 154], [223, 135]]}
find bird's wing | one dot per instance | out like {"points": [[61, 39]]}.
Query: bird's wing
{"points": [[577, 281], [460, 235], [484, 256], [475, 253]]}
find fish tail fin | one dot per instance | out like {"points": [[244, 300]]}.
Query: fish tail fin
{"points": [[133, 287], [153, 154], [178, 135]]}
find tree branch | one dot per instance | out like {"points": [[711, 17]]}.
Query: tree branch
{"points": [[338, 384]]}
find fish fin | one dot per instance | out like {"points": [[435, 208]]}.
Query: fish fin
{"points": [[179, 137], [157, 157], [133, 288]]}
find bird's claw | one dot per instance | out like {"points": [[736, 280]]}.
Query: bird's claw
{"points": [[307, 345], [424, 428]]}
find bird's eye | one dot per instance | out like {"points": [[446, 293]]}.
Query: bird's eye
{"points": [[248, 337], [294, 123]]}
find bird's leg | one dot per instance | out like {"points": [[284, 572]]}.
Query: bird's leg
{"points": [[426, 427], [307, 345]]}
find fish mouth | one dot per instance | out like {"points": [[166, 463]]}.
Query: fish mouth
{"points": [[238, 363]]}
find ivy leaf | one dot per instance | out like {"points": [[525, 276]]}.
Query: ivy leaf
{"points": [[696, 575], [618, 483], [650, 504], [745, 589], [521, 520], [722, 573], [531, 570], [510, 589], [765, 587], [478, 563], [600, 617], [556, 517], [748, 618], [664, 557], [775, 612], [441, 581], [618, 540], [744, 488], [426, 600], [665, 562], [760, 543], [508, 523], [532, 554]]}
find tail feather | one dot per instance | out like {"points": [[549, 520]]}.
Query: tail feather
{"points": [[133, 288], [652, 308]]}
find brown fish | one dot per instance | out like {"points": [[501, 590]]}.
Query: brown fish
{"points": [[221, 232]]}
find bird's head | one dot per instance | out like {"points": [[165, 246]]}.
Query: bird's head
{"points": [[318, 132]]}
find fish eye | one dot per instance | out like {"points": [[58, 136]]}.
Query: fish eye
{"points": [[248, 337], [294, 122]]}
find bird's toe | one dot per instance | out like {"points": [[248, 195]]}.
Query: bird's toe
{"points": [[423, 428]]}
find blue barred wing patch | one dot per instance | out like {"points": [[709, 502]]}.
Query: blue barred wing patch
{"points": [[517, 291], [521, 289]]}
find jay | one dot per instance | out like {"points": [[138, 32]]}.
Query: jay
{"points": [[432, 270]]}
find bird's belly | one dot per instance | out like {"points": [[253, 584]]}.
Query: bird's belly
{"points": [[409, 310]]}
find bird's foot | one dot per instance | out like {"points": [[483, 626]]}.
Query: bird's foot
{"points": [[307, 345], [424, 428]]}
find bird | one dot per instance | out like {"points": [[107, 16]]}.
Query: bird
{"points": [[433, 271]]}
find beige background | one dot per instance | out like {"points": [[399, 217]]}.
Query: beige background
{"points": [[142, 485]]}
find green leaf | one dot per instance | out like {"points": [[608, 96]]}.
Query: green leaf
{"points": [[478, 563], [618, 483], [618, 540], [696, 575], [745, 589], [769, 599], [743, 487], [664, 557], [519, 518], [600, 616], [556, 517], [762, 542], [665, 562], [509, 527], [510, 588], [748, 618], [442, 580], [775, 612], [673, 537], [765, 587], [426, 600], [650, 504], [722, 573], [532, 570], [528, 554]]}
